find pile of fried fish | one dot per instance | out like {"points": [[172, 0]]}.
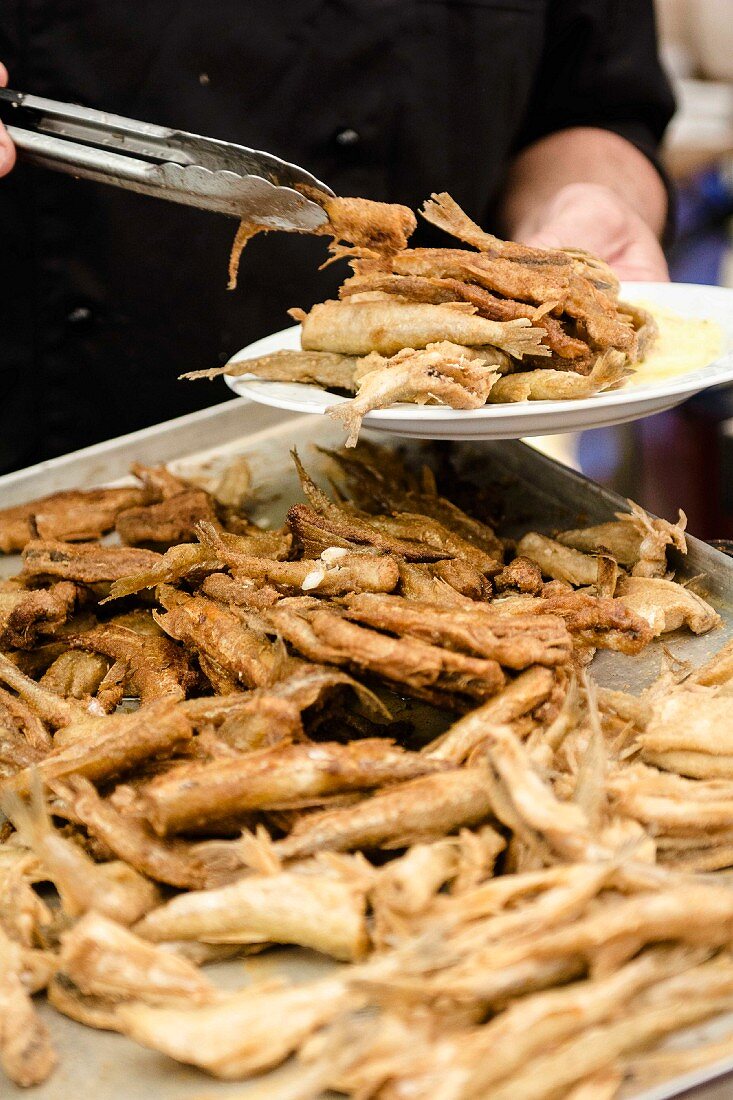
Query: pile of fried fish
{"points": [[496, 321], [214, 739]]}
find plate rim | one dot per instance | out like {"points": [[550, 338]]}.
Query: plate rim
{"points": [[717, 372]]}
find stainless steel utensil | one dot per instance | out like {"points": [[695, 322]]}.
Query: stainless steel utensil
{"points": [[169, 164]]}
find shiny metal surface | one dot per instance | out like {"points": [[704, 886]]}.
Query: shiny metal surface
{"points": [[530, 489], [162, 162]]}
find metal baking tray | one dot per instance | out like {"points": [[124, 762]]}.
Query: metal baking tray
{"points": [[531, 489]]}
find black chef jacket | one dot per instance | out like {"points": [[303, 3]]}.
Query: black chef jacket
{"points": [[107, 296]]}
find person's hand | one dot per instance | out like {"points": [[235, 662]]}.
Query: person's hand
{"points": [[7, 149], [596, 218]]}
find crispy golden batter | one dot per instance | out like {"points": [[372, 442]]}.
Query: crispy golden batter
{"points": [[26, 613], [441, 374], [608, 369], [328, 369], [76, 514], [512, 641], [171, 521], [275, 778], [214, 632], [88, 563], [388, 326]]}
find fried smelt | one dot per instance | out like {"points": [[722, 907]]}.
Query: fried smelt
{"points": [[27, 613], [556, 1071], [666, 606], [442, 536], [381, 227], [168, 522], [113, 889], [176, 563], [156, 668], [635, 539], [424, 808], [558, 561], [592, 620], [515, 642], [386, 327], [26, 1053], [598, 316], [104, 959], [570, 352], [245, 1033], [440, 374], [316, 907], [49, 706], [521, 696], [425, 671], [88, 563], [242, 651], [326, 524], [70, 516], [16, 716], [105, 747], [542, 384], [75, 674], [131, 839], [328, 369], [286, 775], [335, 573]]}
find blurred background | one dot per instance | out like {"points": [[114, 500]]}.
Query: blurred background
{"points": [[685, 458]]}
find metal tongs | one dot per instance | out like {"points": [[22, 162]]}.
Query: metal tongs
{"points": [[168, 164]]}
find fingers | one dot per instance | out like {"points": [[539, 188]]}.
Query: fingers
{"points": [[7, 149]]}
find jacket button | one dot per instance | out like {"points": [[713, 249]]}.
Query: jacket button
{"points": [[348, 137]]}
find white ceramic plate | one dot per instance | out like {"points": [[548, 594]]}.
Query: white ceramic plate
{"points": [[523, 418]]}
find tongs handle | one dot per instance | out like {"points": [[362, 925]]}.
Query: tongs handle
{"points": [[166, 163]]}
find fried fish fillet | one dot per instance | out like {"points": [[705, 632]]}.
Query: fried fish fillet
{"points": [[386, 327]]}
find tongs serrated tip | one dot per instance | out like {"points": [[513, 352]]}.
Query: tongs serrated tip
{"points": [[171, 164]]}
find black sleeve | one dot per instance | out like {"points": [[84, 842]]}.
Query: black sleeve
{"points": [[600, 67]]}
